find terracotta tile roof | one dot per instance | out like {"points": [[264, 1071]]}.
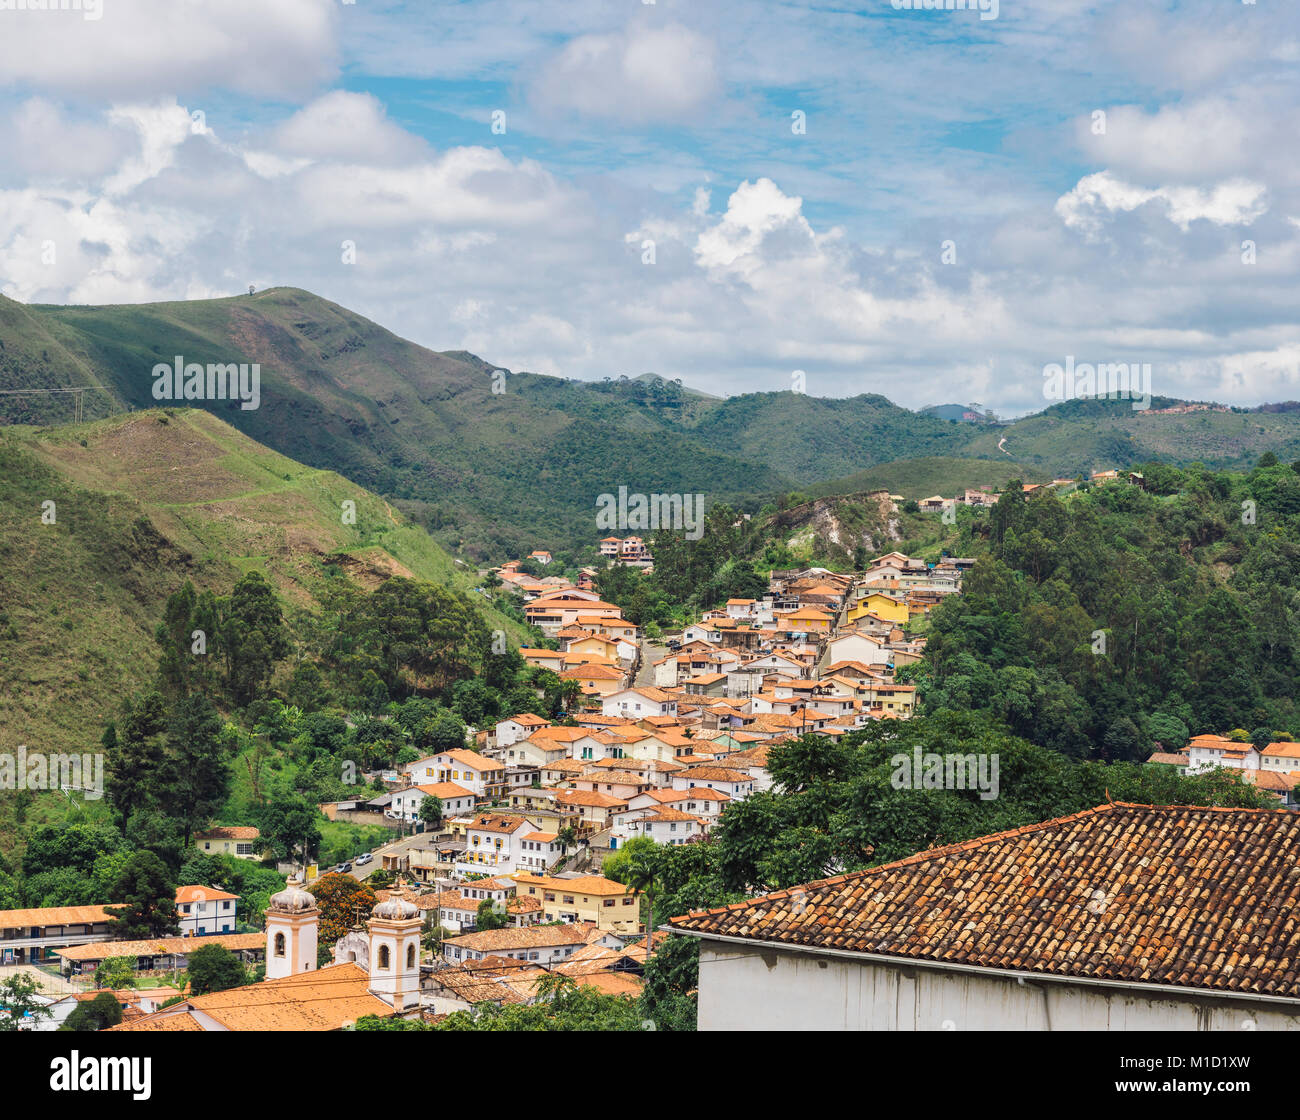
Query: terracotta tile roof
{"points": [[1282, 750], [474, 761], [527, 719], [1184, 896], [445, 790], [612, 983], [528, 937], [590, 798], [237, 832], [591, 672], [183, 1021], [322, 1000], [584, 884], [1168, 758], [496, 822], [473, 987], [559, 734], [1276, 781], [159, 946], [566, 765], [665, 815], [186, 895], [714, 774], [53, 916], [647, 764]]}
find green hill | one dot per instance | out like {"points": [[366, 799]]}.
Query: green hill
{"points": [[142, 502], [496, 463]]}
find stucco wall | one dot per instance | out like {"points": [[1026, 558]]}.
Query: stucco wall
{"points": [[755, 990]]}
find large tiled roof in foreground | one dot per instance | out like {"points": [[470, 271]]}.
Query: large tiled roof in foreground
{"points": [[1176, 895]]}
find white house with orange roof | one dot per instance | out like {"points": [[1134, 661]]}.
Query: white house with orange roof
{"points": [[637, 702], [482, 776], [1207, 751], [494, 844], [1283, 756], [201, 911], [698, 800], [539, 851], [456, 800], [662, 825], [518, 727], [736, 784]]}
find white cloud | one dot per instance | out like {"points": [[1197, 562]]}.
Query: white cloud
{"points": [[141, 49], [643, 74], [351, 127], [1097, 197]]}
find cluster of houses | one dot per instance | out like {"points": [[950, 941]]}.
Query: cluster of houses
{"points": [[664, 758], [1274, 767], [984, 497]]}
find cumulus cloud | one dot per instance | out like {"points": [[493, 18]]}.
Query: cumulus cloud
{"points": [[642, 74], [1096, 197], [140, 49], [352, 127]]}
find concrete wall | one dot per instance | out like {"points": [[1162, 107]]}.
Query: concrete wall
{"points": [[761, 990]]}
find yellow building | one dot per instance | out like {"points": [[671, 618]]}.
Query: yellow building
{"points": [[242, 842], [809, 620], [879, 604], [590, 898]]}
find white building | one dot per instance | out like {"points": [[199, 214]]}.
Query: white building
{"points": [[518, 727], [456, 800], [494, 844], [480, 775], [637, 703], [663, 826], [201, 911], [1060, 935]]}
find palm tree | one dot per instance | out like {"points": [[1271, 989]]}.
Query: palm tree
{"points": [[641, 877]]}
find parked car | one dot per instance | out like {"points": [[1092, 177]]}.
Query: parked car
{"points": [[364, 857], [345, 867]]}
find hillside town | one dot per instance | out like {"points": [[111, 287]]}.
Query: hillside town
{"points": [[653, 747]]}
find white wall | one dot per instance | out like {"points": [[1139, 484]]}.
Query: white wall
{"points": [[761, 990]]}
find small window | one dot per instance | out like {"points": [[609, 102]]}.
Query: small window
{"points": [[384, 958], [279, 944]]}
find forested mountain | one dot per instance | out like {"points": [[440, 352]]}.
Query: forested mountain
{"points": [[495, 462]]}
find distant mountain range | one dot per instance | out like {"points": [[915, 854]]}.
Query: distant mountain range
{"points": [[494, 462]]}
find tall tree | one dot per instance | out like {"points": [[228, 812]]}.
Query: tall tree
{"points": [[136, 766], [148, 893], [199, 760]]}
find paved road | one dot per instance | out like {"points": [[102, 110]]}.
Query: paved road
{"points": [[650, 653], [393, 847]]}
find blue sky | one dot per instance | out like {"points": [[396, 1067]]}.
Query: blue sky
{"points": [[370, 124]]}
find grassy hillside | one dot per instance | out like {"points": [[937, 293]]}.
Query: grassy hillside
{"points": [[144, 501], [489, 471]]}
